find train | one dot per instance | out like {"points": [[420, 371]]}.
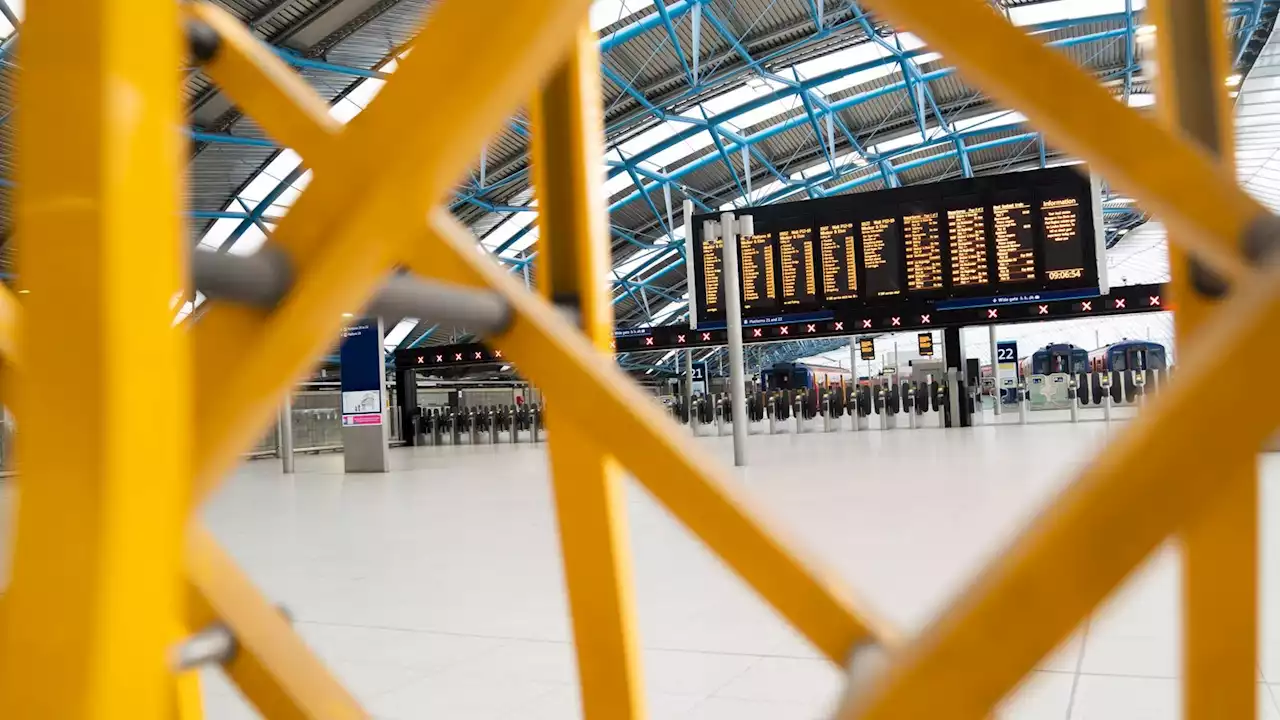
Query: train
{"points": [[1129, 355], [793, 376], [1056, 358]]}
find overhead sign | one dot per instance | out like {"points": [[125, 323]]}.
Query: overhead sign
{"points": [[867, 346], [699, 379], [924, 341], [975, 240]]}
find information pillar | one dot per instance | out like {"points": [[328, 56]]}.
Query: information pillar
{"points": [[364, 426]]}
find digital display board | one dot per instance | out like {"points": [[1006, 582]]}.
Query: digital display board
{"points": [[867, 346], [1063, 244], [924, 343], [799, 271], [712, 290], [882, 256], [759, 281], [839, 261], [967, 236], [1014, 239], [923, 242], [973, 241]]}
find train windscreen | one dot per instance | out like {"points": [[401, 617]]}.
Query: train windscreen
{"points": [[1048, 362]]}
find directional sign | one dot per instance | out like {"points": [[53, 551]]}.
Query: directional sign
{"points": [[867, 346]]}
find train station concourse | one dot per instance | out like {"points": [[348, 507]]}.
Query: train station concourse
{"points": [[626, 359]]}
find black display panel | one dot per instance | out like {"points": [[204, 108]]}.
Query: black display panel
{"points": [[991, 239], [1014, 236], [838, 258], [710, 276], [1062, 225], [922, 242], [799, 268], [756, 263], [967, 242], [881, 256]]}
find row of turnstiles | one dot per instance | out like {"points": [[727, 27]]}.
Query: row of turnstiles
{"points": [[921, 403], [484, 424]]}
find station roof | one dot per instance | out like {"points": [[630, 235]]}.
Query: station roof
{"points": [[786, 99]]}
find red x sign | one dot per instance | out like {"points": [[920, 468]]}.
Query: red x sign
{"points": [[439, 358], [613, 344], [924, 320], [993, 312], [706, 337], [479, 354], [1154, 300], [866, 323], [679, 338], [422, 359], [1086, 306], [457, 356], [811, 328], [839, 326], [783, 330], [1119, 303], [648, 341], [756, 332], [498, 353], [896, 322], [1044, 309]]}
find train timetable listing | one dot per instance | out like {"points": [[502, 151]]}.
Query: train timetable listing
{"points": [[882, 256], [799, 272], [839, 263], [712, 290], [967, 232], [1063, 247], [1015, 242], [759, 283], [923, 245]]}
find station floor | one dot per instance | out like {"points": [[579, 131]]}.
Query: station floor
{"points": [[435, 591]]}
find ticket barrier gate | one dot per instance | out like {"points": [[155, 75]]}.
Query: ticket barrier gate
{"points": [[1104, 390], [486, 424]]}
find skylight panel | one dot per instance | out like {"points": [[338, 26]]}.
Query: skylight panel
{"points": [[1037, 13], [248, 243], [398, 333], [607, 12]]}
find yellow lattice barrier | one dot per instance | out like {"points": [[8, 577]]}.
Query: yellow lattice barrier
{"points": [[87, 621]]}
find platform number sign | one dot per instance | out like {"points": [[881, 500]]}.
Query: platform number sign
{"points": [[699, 379], [867, 346], [1007, 352], [925, 343]]}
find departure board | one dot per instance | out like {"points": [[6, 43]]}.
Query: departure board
{"points": [[923, 243], [712, 295], [799, 271], [839, 261], [967, 235], [1063, 247], [982, 242], [882, 256], [759, 282], [1015, 242]]}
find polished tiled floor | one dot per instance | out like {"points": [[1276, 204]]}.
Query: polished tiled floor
{"points": [[435, 591]]}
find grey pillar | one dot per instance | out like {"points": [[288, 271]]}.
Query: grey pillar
{"points": [[733, 320], [995, 367], [286, 434]]}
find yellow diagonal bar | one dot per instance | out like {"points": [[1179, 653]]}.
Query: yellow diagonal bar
{"points": [[94, 591], [396, 158], [272, 666], [1182, 184], [566, 139], [1146, 484], [1220, 543], [616, 415]]}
